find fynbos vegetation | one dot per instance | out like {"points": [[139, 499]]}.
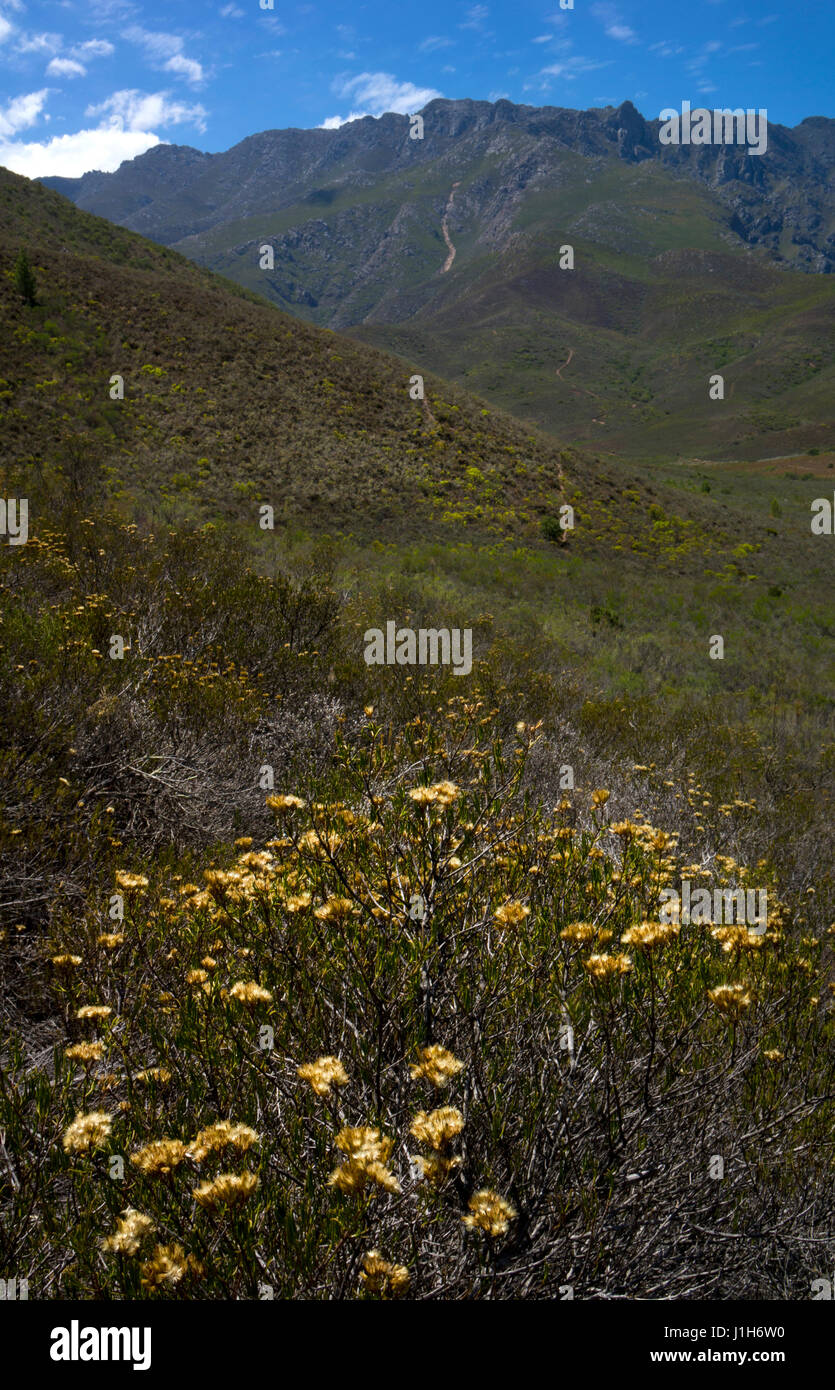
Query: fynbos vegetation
{"points": [[415, 832]]}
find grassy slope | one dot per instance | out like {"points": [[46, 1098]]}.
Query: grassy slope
{"points": [[663, 294], [230, 403], [145, 763]]}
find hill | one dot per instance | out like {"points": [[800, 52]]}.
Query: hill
{"points": [[447, 249], [360, 972]]}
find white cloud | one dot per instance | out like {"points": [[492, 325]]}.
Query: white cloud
{"points": [[376, 93], [334, 122], [231, 12], [665, 49], [476, 16], [185, 67], [157, 45], [22, 111], [128, 124], [571, 67], [433, 43], [40, 43], [93, 48], [140, 111], [613, 27], [110, 10], [70, 156], [166, 51], [66, 67], [5, 29]]}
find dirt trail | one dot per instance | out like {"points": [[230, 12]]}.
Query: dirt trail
{"points": [[565, 363], [445, 229]]}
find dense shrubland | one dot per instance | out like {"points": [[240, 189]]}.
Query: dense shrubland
{"points": [[415, 998]]}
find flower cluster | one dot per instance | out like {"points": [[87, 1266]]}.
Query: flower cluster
{"points": [[379, 1276], [368, 1154], [323, 1073], [436, 1064], [90, 1131], [489, 1212], [131, 1229]]}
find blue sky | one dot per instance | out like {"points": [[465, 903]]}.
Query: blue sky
{"points": [[85, 84]]}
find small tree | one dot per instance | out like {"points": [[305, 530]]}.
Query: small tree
{"points": [[24, 278]]}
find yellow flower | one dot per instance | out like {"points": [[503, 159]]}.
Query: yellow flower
{"points": [[605, 967], [168, 1265], [511, 914], [131, 1228], [295, 904], [774, 1054], [423, 795], [90, 1131], [94, 1011], [196, 977], [111, 939], [318, 844], [159, 1074], [436, 1064], [489, 1212], [85, 1052], [335, 909], [736, 937], [624, 828], [600, 797], [436, 1167], [323, 1073], [245, 842], [256, 861], [282, 804], [368, 1153], [383, 1278], [219, 1136], [130, 882], [354, 1176], [66, 962], [250, 994], [649, 934], [446, 792], [731, 1000], [438, 1127], [361, 1141], [578, 931], [161, 1156], [227, 1189]]}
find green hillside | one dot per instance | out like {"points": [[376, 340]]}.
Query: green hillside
{"points": [[661, 296], [359, 970]]}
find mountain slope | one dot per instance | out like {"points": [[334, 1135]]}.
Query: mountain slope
{"points": [[227, 400], [173, 187], [681, 257]]}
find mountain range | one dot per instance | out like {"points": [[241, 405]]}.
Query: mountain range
{"points": [[687, 261]]}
